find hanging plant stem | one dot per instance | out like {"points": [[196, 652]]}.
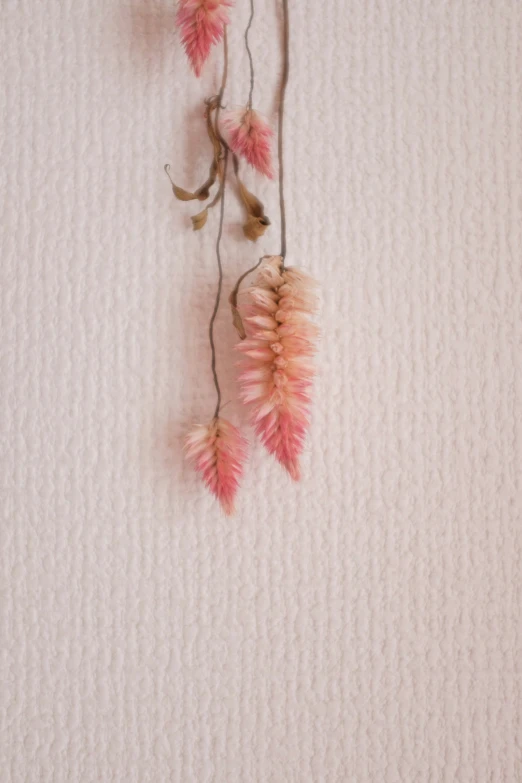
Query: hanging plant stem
{"points": [[250, 58], [220, 229], [280, 137]]}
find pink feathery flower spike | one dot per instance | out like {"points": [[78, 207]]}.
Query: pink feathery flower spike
{"points": [[250, 136], [277, 370], [201, 23], [218, 453]]}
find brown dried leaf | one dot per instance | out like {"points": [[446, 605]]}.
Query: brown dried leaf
{"points": [[199, 220], [238, 323], [255, 227], [236, 318], [203, 192], [182, 194], [253, 205], [257, 222], [211, 130], [216, 167]]}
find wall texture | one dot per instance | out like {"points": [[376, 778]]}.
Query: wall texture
{"points": [[364, 625]]}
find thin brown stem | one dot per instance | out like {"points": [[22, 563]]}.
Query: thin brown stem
{"points": [[225, 74], [220, 284], [235, 291], [250, 58], [280, 139], [220, 231]]}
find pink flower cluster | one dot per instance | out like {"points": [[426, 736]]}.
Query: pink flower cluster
{"points": [[277, 368], [250, 136], [218, 452], [201, 23]]}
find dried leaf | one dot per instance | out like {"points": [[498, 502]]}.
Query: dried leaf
{"points": [[236, 318], [257, 222], [238, 323], [183, 195], [199, 220], [211, 105], [255, 227], [202, 193], [216, 167], [253, 205], [217, 144]]}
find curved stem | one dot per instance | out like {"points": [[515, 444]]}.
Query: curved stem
{"points": [[235, 291], [220, 284], [220, 231], [250, 58], [225, 73], [280, 140]]}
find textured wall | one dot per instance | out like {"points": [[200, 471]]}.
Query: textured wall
{"points": [[364, 625]]}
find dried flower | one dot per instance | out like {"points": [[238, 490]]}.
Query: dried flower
{"points": [[250, 136], [277, 368], [201, 23], [218, 453]]}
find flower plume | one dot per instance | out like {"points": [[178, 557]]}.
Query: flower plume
{"points": [[277, 370], [201, 23], [218, 452], [250, 137]]}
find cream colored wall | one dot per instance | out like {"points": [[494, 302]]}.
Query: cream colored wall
{"points": [[364, 625]]}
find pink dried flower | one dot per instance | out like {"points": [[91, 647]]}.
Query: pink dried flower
{"points": [[250, 136], [218, 453], [277, 368], [201, 23]]}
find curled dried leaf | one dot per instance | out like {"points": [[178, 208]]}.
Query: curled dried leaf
{"points": [[257, 222], [216, 167], [199, 220], [253, 206], [255, 227], [211, 106], [182, 194], [202, 193], [237, 322]]}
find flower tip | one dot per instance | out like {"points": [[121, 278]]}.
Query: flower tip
{"points": [[228, 507], [289, 460], [294, 471]]}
